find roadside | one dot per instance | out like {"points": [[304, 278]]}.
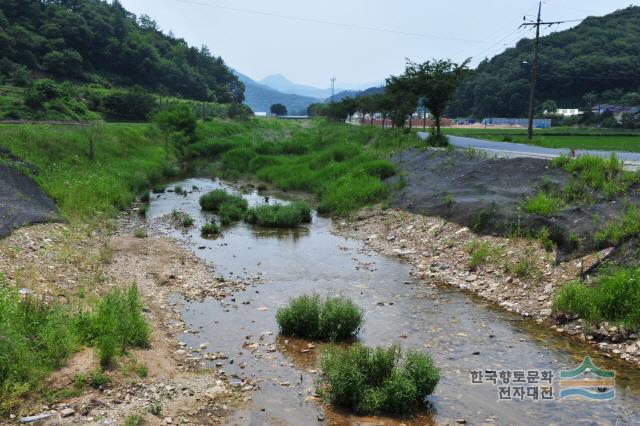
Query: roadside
{"points": [[514, 150], [515, 273]]}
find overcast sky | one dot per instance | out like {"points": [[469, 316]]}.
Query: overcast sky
{"points": [[359, 40]]}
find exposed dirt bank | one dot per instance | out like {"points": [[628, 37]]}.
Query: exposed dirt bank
{"points": [[76, 264], [518, 274], [486, 194], [22, 202]]}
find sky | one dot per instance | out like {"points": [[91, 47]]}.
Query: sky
{"points": [[358, 41]]}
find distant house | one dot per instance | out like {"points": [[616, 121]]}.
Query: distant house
{"points": [[538, 123], [617, 110], [568, 112]]}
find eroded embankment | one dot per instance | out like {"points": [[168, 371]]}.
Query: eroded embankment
{"points": [[516, 273], [73, 264], [487, 194], [22, 201]]}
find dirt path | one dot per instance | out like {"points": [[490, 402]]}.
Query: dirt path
{"points": [[518, 274], [62, 263]]}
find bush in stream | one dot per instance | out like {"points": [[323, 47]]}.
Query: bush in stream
{"points": [[182, 218], [214, 200], [210, 229], [333, 318], [371, 381], [279, 215]]}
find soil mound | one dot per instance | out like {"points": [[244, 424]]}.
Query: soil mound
{"points": [[486, 194], [22, 202]]}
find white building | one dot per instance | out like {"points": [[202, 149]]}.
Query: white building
{"points": [[568, 112]]}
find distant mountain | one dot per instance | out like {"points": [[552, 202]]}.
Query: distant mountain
{"points": [[283, 84], [260, 97]]}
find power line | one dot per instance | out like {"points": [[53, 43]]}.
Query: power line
{"points": [[337, 24], [534, 68]]}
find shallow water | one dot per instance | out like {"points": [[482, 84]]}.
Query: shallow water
{"points": [[461, 332]]}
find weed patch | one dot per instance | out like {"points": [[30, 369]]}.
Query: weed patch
{"points": [[543, 204], [481, 252], [279, 215], [210, 229], [613, 297], [182, 219], [617, 231], [311, 317], [371, 381]]}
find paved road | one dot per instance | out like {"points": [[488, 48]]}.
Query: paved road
{"points": [[510, 149]]}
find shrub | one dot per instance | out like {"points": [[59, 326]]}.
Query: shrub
{"points": [[230, 212], [437, 140], [371, 381], [182, 218], [139, 233], [213, 201], [614, 297], [210, 229], [311, 317], [279, 215], [543, 204]]}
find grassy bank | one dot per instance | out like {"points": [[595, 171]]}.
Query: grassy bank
{"points": [[38, 336], [559, 137], [343, 166], [128, 158]]}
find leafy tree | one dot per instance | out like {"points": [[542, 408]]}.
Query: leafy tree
{"points": [[179, 118], [404, 101], [278, 109], [549, 107], [65, 63], [132, 105], [436, 81]]}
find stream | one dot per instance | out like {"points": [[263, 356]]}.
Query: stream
{"points": [[463, 333]]}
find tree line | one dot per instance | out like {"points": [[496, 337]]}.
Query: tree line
{"points": [[94, 41], [429, 85]]}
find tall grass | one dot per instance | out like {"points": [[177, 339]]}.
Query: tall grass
{"points": [[38, 336], [279, 215], [128, 159], [614, 297], [343, 166], [617, 231], [312, 317], [371, 381]]}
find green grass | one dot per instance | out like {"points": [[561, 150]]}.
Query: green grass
{"points": [[560, 137], [617, 231], [481, 253], [181, 218], [229, 207], [279, 215], [613, 297], [343, 166], [311, 317], [37, 337], [543, 204], [134, 420], [210, 229], [116, 325], [129, 159], [372, 381]]}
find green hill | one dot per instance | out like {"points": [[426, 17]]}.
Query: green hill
{"points": [[260, 98], [597, 61], [93, 41]]}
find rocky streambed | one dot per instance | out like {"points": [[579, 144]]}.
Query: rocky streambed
{"points": [[413, 307]]}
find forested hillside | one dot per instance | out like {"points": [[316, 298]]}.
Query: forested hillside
{"points": [[97, 42], [596, 61]]}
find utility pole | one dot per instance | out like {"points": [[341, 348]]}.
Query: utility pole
{"points": [[333, 87], [534, 65]]}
